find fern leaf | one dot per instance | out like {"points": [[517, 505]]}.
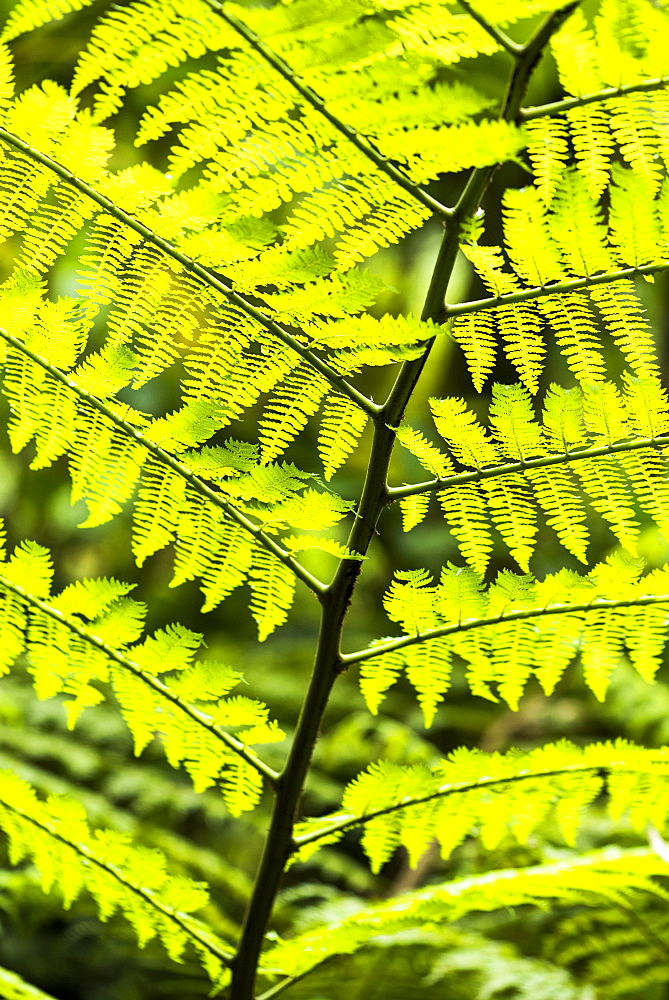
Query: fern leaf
{"points": [[229, 563], [29, 14], [634, 229], [575, 328], [624, 320], [459, 427], [414, 510], [548, 151], [513, 424], [467, 518], [624, 873], [529, 246], [637, 138], [474, 333], [577, 227], [593, 146], [272, 589], [104, 481], [428, 669], [295, 399], [55, 835], [555, 492], [15, 988], [432, 460], [646, 406], [195, 537], [377, 675], [342, 424], [144, 38], [512, 514], [157, 510]]}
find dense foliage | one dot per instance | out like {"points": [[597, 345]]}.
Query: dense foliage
{"points": [[205, 208]]}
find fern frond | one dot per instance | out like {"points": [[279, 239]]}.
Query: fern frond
{"points": [[146, 39], [295, 399], [575, 327], [576, 225], [597, 621], [474, 334], [466, 514], [548, 151], [29, 14], [460, 428], [70, 656], [15, 988], [529, 247], [272, 589], [624, 319], [229, 563], [593, 146], [414, 510], [376, 676], [637, 138], [621, 874], [432, 460], [634, 230], [55, 835], [512, 793], [342, 424]]}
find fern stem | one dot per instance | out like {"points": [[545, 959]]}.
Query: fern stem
{"points": [[607, 94], [317, 586], [317, 102], [460, 788], [156, 685], [205, 275], [513, 48], [327, 666], [89, 858], [329, 662], [491, 472], [513, 616], [543, 291]]}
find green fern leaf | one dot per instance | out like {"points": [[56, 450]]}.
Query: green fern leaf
{"points": [[548, 151], [54, 834], [474, 334], [342, 424], [272, 590]]}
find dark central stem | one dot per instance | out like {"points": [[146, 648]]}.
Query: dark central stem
{"points": [[335, 600]]}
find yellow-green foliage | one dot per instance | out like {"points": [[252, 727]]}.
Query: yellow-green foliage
{"points": [[277, 148]]}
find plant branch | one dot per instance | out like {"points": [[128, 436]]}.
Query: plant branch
{"points": [[317, 102], [609, 93], [329, 661], [513, 48], [165, 458], [543, 291], [156, 685], [90, 858], [205, 275], [513, 616], [491, 472], [466, 786]]}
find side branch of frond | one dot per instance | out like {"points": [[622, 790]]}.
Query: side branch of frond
{"points": [[555, 288], [316, 102], [267, 543], [153, 682], [609, 93], [457, 789], [348, 659], [491, 472], [203, 273], [89, 858], [513, 48]]}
